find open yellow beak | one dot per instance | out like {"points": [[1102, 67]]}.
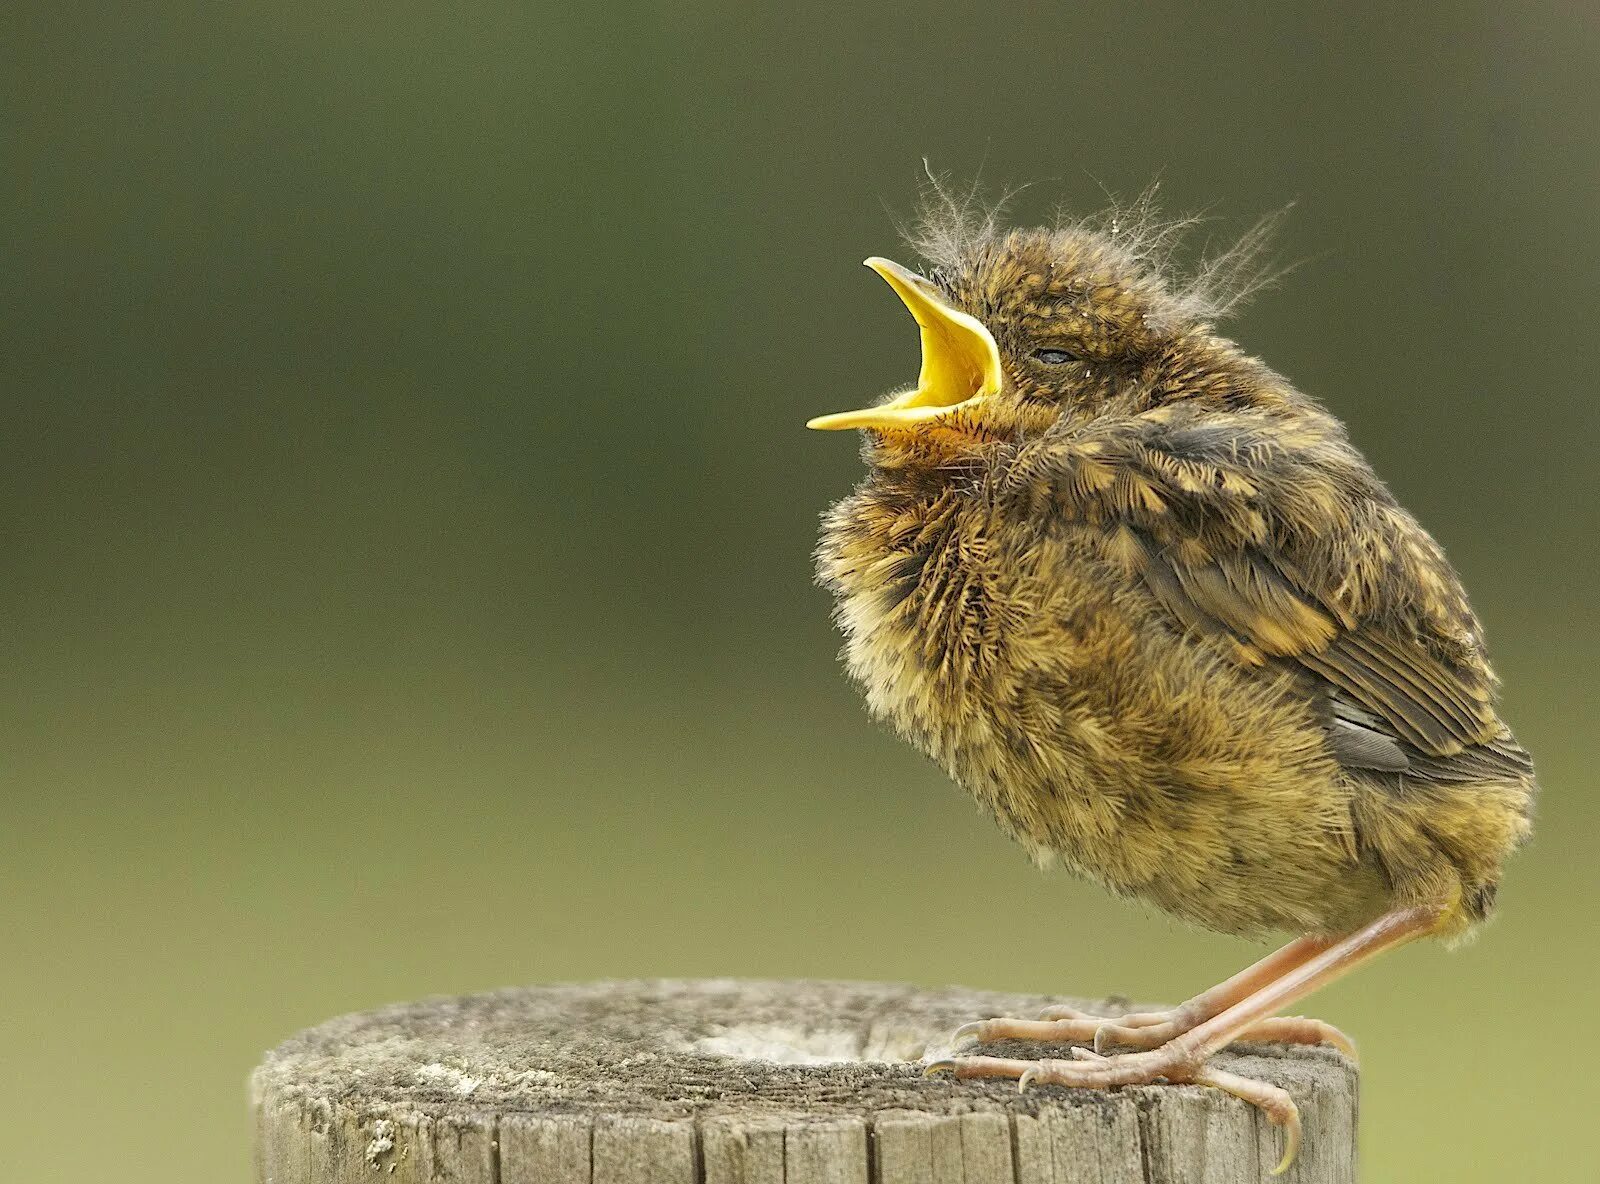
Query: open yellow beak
{"points": [[960, 361]]}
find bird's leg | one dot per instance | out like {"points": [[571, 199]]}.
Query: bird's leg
{"points": [[1183, 1058], [1151, 1029]]}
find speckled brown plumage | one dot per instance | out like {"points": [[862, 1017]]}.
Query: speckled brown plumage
{"points": [[1155, 611], [1150, 606]]}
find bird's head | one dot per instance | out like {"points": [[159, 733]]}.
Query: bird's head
{"points": [[1024, 329]]}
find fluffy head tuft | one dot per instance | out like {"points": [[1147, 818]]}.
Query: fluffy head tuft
{"points": [[958, 230]]}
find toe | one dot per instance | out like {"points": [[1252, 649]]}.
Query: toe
{"points": [[1274, 1102], [1060, 1011], [1003, 1028], [1144, 1036], [1294, 1029]]}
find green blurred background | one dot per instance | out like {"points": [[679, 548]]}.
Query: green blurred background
{"points": [[406, 512]]}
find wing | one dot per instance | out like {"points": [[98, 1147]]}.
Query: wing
{"points": [[1268, 533]]}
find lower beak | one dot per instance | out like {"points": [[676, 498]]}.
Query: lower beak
{"points": [[960, 360]]}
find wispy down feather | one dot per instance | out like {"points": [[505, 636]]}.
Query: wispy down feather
{"points": [[953, 227]]}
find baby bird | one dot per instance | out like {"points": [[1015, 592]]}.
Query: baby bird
{"points": [[1144, 600]]}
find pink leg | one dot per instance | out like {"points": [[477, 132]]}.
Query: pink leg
{"points": [[1154, 1028]]}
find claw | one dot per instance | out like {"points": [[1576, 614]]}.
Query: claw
{"points": [[1102, 1038], [941, 1066], [1291, 1142], [1027, 1078], [1085, 1054], [969, 1034]]}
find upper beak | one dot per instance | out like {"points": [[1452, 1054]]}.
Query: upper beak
{"points": [[960, 360]]}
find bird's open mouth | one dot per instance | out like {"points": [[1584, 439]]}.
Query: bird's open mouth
{"points": [[960, 360]]}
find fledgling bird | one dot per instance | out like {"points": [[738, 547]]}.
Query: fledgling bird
{"points": [[1145, 601]]}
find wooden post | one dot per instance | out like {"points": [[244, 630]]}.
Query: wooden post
{"points": [[739, 1082]]}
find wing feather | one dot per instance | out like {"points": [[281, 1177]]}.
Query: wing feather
{"points": [[1275, 537]]}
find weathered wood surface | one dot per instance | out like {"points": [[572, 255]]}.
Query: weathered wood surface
{"points": [[740, 1082]]}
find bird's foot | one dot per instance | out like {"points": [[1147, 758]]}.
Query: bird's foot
{"points": [[1174, 1062], [1143, 1030]]}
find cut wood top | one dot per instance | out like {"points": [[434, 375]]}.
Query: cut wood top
{"points": [[690, 1064]]}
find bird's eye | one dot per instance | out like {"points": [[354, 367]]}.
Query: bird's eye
{"points": [[1054, 357]]}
